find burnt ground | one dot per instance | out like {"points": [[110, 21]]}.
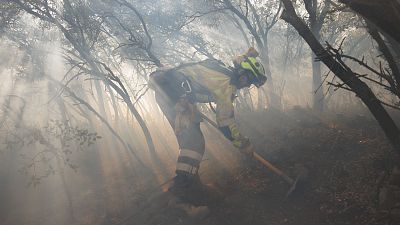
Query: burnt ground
{"points": [[351, 178]]}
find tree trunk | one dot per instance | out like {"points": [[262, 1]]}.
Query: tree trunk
{"points": [[383, 13], [390, 59], [346, 75], [115, 106], [64, 120], [317, 88], [274, 98], [262, 98], [318, 95]]}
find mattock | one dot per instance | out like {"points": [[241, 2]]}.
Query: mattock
{"points": [[292, 182]]}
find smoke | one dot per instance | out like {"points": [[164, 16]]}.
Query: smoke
{"points": [[62, 161]]}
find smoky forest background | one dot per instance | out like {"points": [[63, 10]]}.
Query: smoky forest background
{"points": [[82, 140]]}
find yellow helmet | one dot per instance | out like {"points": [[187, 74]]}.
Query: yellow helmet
{"points": [[256, 68]]}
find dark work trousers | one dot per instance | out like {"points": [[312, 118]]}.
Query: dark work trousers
{"points": [[190, 140]]}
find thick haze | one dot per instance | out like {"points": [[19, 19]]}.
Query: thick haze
{"points": [[67, 136]]}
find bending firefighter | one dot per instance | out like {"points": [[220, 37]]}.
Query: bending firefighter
{"points": [[178, 89]]}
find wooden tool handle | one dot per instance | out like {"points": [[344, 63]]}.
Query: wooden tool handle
{"points": [[256, 156], [273, 168]]}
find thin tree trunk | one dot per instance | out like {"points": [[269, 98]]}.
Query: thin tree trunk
{"points": [[318, 95], [261, 98], [67, 191], [317, 87], [114, 105]]}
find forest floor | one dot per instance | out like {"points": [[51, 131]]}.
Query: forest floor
{"points": [[351, 177]]}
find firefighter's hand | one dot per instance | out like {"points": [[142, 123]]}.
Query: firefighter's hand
{"points": [[246, 147]]}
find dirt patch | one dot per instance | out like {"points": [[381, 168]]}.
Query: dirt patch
{"points": [[350, 178]]}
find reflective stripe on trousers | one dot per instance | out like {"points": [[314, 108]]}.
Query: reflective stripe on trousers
{"points": [[190, 140], [192, 146], [190, 154], [189, 161]]}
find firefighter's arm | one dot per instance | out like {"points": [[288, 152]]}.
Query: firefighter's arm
{"points": [[228, 126]]}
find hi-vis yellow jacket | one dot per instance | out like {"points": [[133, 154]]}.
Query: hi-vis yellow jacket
{"points": [[222, 93], [218, 84]]}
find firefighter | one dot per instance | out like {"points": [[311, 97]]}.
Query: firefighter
{"points": [[177, 90]]}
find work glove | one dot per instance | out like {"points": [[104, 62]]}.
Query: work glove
{"points": [[246, 147]]}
